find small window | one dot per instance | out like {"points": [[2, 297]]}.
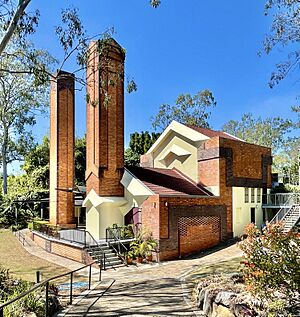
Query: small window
{"points": [[252, 195], [259, 195], [246, 195]]}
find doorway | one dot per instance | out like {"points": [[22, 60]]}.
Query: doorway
{"points": [[253, 215]]}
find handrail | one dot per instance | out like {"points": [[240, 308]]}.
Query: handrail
{"points": [[279, 199], [119, 244], [20, 235], [95, 242], [282, 212], [46, 283]]}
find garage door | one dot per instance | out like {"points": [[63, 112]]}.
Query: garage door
{"points": [[198, 233]]}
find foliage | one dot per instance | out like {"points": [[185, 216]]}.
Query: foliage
{"points": [[284, 34], [19, 104], [271, 261], [131, 158], [80, 160], [192, 110], [143, 245], [139, 144], [266, 132], [11, 288]]}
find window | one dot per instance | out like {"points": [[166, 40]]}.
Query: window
{"points": [[246, 195], [259, 195], [252, 195]]}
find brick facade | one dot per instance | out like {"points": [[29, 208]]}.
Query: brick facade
{"points": [[62, 170], [60, 248], [221, 162], [105, 119]]}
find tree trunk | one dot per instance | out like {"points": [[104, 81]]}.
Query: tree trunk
{"points": [[13, 24], [4, 161]]}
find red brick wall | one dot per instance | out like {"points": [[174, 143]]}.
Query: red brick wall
{"points": [[62, 169], [151, 216], [59, 248], [105, 122]]}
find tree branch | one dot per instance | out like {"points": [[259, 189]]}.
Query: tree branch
{"points": [[13, 24]]}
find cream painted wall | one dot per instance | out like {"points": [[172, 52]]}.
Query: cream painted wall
{"points": [[186, 164], [101, 217], [242, 211], [92, 221]]}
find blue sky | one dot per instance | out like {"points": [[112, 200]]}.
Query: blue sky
{"points": [[182, 47]]}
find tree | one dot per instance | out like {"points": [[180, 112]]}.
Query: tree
{"points": [[285, 34], [269, 132], [19, 104], [16, 24], [139, 144], [80, 160], [188, 109]]}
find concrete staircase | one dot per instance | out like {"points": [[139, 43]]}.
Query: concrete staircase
{"points": [[291, 218], [105, 254]]}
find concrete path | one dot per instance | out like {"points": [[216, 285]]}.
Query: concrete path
{"points": [[149, 289], [157, 290]]}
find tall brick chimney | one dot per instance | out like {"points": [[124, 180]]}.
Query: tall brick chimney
{"points": [[105, 118], [62, 150]]}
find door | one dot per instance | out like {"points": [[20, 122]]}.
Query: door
{"points": [[253, 215]]}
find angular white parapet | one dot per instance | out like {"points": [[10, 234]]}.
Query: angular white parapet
{"points": [[103, 212]]}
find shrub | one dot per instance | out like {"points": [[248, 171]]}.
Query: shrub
{"points": [[271, 261]]}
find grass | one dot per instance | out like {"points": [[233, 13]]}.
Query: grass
{"points": [[224, 267], [22, 264]]}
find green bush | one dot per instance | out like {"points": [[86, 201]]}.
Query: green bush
{"points": [[271, 261]]}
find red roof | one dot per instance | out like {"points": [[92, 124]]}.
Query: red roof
{"points": [[211, 133], [169, 182]]}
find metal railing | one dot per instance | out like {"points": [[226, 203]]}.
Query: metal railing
{"points": [[281, 199], [46, 284], [286, 207], [80, 236], [119, 233], [115, 239], [21, 237]]}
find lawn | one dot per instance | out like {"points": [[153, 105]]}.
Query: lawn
{"points": [[22, 264], [224, 267]]}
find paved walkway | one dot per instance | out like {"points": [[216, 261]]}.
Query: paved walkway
{"points": [[153, 290], [159, 290]]}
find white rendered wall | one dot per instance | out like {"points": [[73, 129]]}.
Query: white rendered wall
{"points": [[242, 211]]}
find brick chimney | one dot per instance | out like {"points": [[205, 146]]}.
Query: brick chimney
{"points": [[62, 150], [105, 118]]}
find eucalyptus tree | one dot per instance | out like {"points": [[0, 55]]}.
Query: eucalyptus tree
{"points": [[188, 109], [20, 101]]}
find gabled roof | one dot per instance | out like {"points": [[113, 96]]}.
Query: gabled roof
{"points": [[168, 182], [211, 133]]}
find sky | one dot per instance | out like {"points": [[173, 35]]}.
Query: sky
{"points": [[183, 46]]}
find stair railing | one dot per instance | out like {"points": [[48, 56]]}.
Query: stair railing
{"points": [[294, 200], [84, 237], [110, 232]]}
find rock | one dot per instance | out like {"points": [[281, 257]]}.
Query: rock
{"points": [[221, 311], [30, 315], [225, 298], [208, 301], [200, 299], [242, 310]]}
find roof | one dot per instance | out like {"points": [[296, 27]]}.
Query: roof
{"points": [[168, 182], [211, 133]]}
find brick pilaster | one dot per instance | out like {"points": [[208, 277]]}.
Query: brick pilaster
{"points": [[62, 149], [105, 118]]}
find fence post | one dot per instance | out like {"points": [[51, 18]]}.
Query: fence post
{"points": [[71, 288], [90, 276], [38, 274], [47, 299], [1, 312]]}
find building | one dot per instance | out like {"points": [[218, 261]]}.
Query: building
{"points": [[194, 188]]}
